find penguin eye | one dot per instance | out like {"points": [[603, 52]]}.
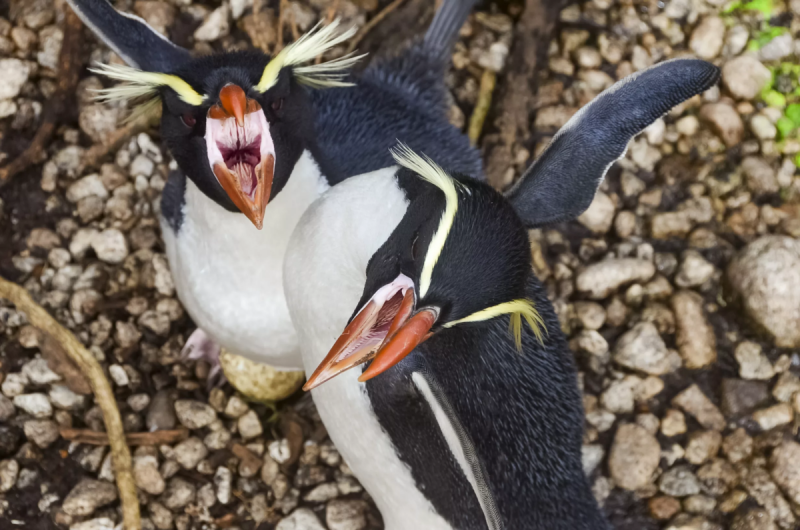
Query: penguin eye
{"points": [[414, 246], [188, 119], [277, 104]]}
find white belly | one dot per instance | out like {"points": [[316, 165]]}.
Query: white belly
{"points": [[229, 275], [325, 272]]}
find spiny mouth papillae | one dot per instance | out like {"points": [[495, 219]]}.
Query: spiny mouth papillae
{"points": [[242, 158], [368, 331]]}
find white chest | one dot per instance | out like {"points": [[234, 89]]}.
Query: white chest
{"points": [[229, 275], [324, 278]]}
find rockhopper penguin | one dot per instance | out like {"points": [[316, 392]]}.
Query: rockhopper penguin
{"points": [[257, 140], [465, 413]]}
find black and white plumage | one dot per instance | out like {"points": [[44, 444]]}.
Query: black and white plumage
{"points": [[229, 275], [454, 422]]}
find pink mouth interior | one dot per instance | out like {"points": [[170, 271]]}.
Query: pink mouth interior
{"points": [[241, 158], [377, 332]]}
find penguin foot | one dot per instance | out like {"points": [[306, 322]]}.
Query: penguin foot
{"points": [[201, 347]]}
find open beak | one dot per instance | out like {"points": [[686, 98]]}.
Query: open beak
{"points": [[240, 151], [385, 330]]}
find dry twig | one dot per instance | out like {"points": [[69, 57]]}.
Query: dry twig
{"points": [[69, 60], [281, 13], [246, 455], [488, 80], [374, 21], [115, 140], [104, 396], [89, 437]]}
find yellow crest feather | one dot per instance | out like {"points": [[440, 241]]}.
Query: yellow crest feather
{"points": [[317, 41], [517, 309], [432, 173], [138, 83]]}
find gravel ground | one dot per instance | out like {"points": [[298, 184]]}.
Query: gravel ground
{"points": [[679, 288]]}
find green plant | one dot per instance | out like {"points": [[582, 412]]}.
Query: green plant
{"points": [[762, 6]]}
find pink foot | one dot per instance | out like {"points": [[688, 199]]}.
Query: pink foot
{"points": [[200, 347]]}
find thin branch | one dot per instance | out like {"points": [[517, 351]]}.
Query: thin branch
{"points": [[69, 60], [89, 437], [104, 396], [374, 21], [488, 80], [115, 140]]}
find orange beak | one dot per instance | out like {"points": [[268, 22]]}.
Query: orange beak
{"points": [[363, 339], [243, 157]]}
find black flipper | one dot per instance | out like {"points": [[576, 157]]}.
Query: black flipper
{"points": [[130, 37], [561, 184], [443, 31]]}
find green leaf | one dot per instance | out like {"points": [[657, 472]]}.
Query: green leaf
{"points": [[793, 113], [797, 160], [764, 6], [785, 126], [773, 98]]}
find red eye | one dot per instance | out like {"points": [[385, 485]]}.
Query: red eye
{"points": [[277, 104], [188, 119]]}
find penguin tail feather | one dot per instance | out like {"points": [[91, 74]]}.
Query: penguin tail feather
{"points": [[443, 31]]}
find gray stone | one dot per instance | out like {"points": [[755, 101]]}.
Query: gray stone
{"points": [[760, 175], [679, 482], [642, 349], [785, 467], [600, 214], [740, 397], [194, 414], [178, 494], [603, 278], [745, 76], [147, 476], [190, 452], [724, 121], [215, 26], [37, 405], [63, 398], [693, 401], [41, 432], [695, 336], [634, 457], [110, 246], [774, 416], [694, 270], [778, 48], [87, 496], [222, 483], [250, 426], [766, 275], [760, 486], [346, 515], [300, 519], [707, 38], [15, 74], [39, 373], [9, 470], [161, 414], [755, 519], [753, 364]]}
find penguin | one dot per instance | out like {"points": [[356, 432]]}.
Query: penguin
{"points": [[257, 139], [451, 392]]}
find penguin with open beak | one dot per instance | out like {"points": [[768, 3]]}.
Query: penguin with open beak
{"points": [[451, 393], [257, 139]]}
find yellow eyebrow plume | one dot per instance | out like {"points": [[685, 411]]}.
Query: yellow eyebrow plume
{"points": [[317, 41], [518, 309], [138, 83], [431, 172]]}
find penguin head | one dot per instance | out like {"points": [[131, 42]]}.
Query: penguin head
{"points": [[235, 122], [460, 255]]}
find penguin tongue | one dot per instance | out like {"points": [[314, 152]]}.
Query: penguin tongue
{"points": [[248, 187], [369, 330]]}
